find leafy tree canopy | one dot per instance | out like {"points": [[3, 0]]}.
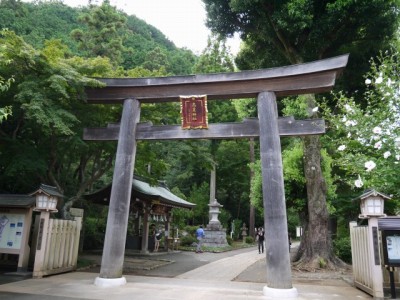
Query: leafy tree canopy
{"points": [[294, 31]]}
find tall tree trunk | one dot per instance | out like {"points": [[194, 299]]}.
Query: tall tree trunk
{"points": [[316, 249], [252, 210]]}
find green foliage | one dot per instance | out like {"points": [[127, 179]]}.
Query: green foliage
{"points": [[293, 164], [191, 229], [249, 240], [94, 231], [104, 32], [215, 58], [292, 31], [156, 60], [237, 232], [125, 38], [224, 217], [200, 196], [342, 249], [188, 240], [246, 108], [229, 240], [256, 186], [322, 263], [296, 107], [293, 219], [368, 137], [39, 21], [5, 112], [43, 134], [181, 217]]}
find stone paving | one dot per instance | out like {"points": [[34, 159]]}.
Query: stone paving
{"points": [[226, 276]]}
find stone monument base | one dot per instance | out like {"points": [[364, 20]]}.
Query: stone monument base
{"points": [[215, 237]]}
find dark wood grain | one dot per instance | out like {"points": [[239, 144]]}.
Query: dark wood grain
{"points": [[249, 128], [117, 221], [273, 190], [313, 77]]}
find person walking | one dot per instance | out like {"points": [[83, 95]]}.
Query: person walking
{"points": [[199, 236], [260, 240]]}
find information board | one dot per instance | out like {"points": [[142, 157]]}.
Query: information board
{"points": [[11, 229], [391, 247]]}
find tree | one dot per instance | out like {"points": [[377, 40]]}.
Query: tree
{"points": [[39, 21], [293, 31], [368, 137], [43, 137], [104, 34]]}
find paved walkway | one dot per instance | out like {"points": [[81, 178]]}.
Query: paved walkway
{"points": [[214, 279], [226, 269]]}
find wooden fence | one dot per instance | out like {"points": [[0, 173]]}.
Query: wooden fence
{"points": [[360, 257], [57, 244], [366, 261]]}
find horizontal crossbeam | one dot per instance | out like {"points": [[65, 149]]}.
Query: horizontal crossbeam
{"points": [[247, 129], [313, 77]]}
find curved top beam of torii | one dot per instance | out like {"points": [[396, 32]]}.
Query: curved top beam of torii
{"points": [[313, 77]]}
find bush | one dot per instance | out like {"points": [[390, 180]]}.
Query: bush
{"points": [[188, 240], [249, 240], [229, 240], [342, 248], [93, 233], [191, 229]]}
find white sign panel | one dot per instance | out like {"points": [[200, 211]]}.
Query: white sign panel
{"points": [[393, 247], [11, 229]]}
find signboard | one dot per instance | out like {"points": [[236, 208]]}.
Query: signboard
{"points": [[391, 247], [11, 229], [76, 212], [194, 112]]}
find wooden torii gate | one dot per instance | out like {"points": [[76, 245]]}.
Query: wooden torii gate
{"points": [[266, 85]]}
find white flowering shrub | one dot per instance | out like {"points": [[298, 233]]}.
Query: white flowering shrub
{"points": [[367, 136]]}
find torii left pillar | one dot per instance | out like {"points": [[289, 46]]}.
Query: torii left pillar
{"points": [[279, 280], [117, 222]]}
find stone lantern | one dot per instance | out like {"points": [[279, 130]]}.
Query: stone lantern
{"points": [[47, 198], [214, 212], [372, 207], [372, 204]]}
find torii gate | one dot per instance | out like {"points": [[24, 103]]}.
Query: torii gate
{"points": [[266, 85]]}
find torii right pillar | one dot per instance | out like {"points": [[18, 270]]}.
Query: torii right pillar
{"points": [[279, 279]]}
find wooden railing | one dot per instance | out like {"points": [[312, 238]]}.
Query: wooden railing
{"points": [[57, 245]]}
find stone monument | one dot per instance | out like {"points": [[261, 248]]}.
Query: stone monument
{"points": [[215, 234]]}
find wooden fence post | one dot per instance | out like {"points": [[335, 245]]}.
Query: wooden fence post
{"points": [[41, 245]]}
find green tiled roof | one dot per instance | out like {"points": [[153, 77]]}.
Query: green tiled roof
{"points": [[13, 200], [144, 191], [159, 192]]}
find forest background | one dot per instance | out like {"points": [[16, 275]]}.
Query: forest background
{"points": [[49, 52]]}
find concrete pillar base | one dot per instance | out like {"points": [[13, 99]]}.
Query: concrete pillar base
{"points": [[280, 294], [109, 282]]}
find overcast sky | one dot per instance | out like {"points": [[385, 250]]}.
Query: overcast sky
{"points": [[182, 21]]}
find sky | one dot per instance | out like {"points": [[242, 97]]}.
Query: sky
{"points": [[181, 21]]}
